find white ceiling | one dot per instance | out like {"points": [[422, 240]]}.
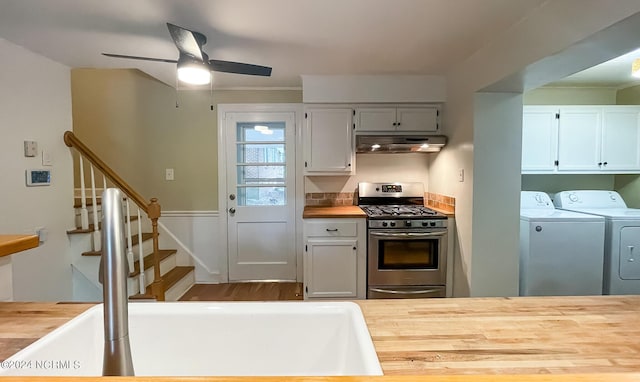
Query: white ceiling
{"points": [[293, 36], [615, 73]]}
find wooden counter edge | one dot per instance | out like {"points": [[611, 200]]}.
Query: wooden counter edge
{"points": [[10, 244], [321, 212], [600, 377]]}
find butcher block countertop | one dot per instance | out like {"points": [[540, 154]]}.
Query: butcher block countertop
{"points": [[529, 339], [311, 212], [10, 244]]}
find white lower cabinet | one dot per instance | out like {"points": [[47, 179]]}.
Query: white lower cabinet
{"points": [[335, 258]]}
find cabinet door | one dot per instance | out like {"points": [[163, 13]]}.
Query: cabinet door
{"points": [[539, 139], [621, 139], [376, 119], [417, 119], [328, 141], [331, 268], [579, 139]]}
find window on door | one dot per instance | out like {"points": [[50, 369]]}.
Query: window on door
{"points": [[261, 168]]}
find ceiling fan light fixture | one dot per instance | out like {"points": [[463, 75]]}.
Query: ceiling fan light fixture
{"points": [[635, 68], [194, 72]]}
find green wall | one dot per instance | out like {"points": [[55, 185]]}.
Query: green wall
{"points": [[131, 121]]}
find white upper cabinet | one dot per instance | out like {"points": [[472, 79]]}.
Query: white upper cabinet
{"points": [[579, 132], [621, 138], [328, 141], [416, 119], [539, 139], [581, 139]]}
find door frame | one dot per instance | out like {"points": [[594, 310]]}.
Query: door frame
{"points": [[222, 250]]}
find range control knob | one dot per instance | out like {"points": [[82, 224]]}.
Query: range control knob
{"points": [[393, 224], [433, 224], [424, 224], [407, 223], [384, 224]]}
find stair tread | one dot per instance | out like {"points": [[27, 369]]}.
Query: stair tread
{"points": [[77, 202], [148, 261], [173, 276], [134, 241], [90, 229]]}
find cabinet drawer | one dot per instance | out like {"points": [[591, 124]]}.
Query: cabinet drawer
{"points": [[331, 229]]}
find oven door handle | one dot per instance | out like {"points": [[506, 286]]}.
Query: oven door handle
{"points": [[408, 234], [392, 291]]}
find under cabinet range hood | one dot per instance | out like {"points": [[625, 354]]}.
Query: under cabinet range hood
{"points": [[399, 143]]}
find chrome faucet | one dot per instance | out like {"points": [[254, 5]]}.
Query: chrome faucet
{"points": [[114, 270]]}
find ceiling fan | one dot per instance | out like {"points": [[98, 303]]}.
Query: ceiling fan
{"points": [[194, 65]]}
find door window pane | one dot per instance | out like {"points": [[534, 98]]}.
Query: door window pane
{"points": [[253, 175], [261, 171], [261, 196]]}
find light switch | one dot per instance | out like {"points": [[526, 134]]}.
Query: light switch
{"points": [[168, 174], [46, 158], [461, 175], [30, 148]]}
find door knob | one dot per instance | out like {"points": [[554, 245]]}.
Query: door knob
{"points": [[232, 197], [232, 210]]}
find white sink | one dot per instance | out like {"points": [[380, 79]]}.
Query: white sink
{"points": [[207, 339]]}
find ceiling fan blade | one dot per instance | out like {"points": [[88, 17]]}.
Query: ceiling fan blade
{"points": [[239, 68], [140, 58], [188, 42]]}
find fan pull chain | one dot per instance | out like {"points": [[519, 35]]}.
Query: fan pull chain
{"points": [[211, 90], [177, 90]]}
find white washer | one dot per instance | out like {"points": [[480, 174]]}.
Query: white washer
{"points": [[622, 236], [561, 252]]}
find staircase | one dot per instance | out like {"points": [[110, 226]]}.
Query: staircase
{"points": [[154, 273]]}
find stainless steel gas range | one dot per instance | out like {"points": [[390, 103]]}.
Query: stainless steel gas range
{"points": [[407, 242]]}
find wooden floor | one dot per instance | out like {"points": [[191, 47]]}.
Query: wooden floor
{"points": [[268, 291]]}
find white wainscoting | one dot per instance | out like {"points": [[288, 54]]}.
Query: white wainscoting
{"points": [[197, 232]]}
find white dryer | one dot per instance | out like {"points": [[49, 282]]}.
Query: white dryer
{"points": [[561, 252], [622, 236]]}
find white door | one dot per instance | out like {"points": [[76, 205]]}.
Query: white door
{"points": [[260, 196]]}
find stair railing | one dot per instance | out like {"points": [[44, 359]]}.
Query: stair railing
{"points": [[151, 209]]}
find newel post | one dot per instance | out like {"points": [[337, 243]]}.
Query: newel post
{"points": [[157, 287]]}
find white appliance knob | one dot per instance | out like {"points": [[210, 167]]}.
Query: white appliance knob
{"points": [[573, 197], [538, 198], [612, 196]]}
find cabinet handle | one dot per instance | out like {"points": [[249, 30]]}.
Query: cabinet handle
{"points": [[605, 163], [599, 163], [332, 230], [354, 248], [395, 124]]}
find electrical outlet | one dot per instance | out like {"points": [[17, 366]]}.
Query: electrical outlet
{"points": [[168, 174]]}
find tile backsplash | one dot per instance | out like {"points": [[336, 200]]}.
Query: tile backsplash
{"points": [[330, 199], [442, 202]]}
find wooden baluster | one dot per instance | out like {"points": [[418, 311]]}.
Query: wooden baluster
{"points": [[94, 200], [129, 241], [157, 287], [84, 213], [142, 278]]}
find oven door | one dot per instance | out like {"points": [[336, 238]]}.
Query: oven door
{"points": [[407, 257]]}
